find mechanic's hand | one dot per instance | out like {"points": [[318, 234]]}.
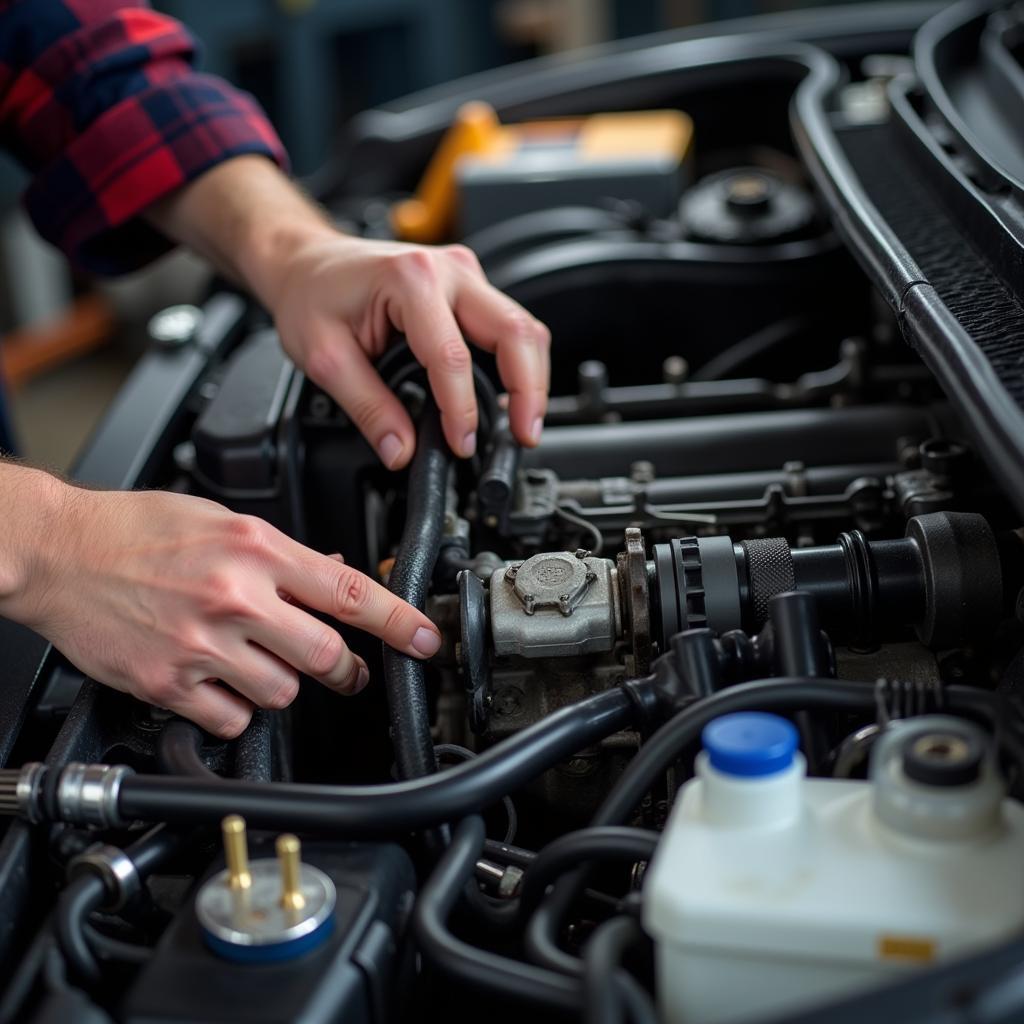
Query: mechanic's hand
{"points": [[161, 595], [336, 299]]}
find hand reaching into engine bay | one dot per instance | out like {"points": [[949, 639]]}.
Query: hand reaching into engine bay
{"points": [[336, 301], [167, 597]]}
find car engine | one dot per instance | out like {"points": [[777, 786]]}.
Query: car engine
{"points": [[726, 724]]}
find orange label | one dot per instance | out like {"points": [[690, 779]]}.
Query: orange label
{"points": [[906, 947]]}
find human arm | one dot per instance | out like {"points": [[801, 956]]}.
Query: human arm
{"points": [[162, 595], [336, 300]]}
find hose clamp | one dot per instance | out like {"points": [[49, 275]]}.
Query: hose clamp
{"points": [[115, 869], [87, 794]]}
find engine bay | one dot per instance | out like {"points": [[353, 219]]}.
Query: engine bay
{"points": [[752, 497]]}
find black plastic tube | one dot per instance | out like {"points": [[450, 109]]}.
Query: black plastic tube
{"points": [[87, 893], [177, 751], [603, 1001], [477, 967], [77, 901], [116, 950], [394, 808], [414, 566], [587, 845], [783, 694], [18, 984]]}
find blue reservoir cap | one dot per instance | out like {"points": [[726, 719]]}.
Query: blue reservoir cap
{"points": [[750, 743]]}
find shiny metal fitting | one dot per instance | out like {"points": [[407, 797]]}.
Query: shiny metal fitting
{"points": [[19, 792], [504, 879], [87, 794], [236, 852], [116, 870]]}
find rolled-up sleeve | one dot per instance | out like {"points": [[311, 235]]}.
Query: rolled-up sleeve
{"points": [[102, 104]]}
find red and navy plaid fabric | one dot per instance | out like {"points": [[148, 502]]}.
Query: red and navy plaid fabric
{"points": [[100, 101]]}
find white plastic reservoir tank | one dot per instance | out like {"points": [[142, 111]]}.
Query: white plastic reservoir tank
{"points": [[770, 891]]}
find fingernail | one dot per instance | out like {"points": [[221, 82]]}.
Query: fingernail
{"points": [[390, 449], [469, 444], [361, 681], [535, 430], [426, 642]]}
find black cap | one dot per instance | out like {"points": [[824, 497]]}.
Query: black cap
{"points": [[946, 757]]}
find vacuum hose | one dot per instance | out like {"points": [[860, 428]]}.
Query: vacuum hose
{"points": [[414, 565]]}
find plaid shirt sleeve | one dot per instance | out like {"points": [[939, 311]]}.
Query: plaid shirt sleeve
{"points": [[99, 100]]}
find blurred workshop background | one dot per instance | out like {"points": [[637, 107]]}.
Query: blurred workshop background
{"points": [[68, 342]]}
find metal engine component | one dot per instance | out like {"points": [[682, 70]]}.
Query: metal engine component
{"points": [[555, 604]]}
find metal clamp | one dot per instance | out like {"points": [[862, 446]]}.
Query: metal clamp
{"points": [[116, 870], [87, 794]]}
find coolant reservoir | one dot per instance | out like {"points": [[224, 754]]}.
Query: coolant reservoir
{"points": [[770, 891]]}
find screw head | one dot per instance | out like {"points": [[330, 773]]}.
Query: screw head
{"points": [[175, 325]]}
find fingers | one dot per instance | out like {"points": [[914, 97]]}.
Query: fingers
{"points": [[338, 364], [217, 710], [426, 317], [311, 647], [258, 676], [339, 590], [521, 345]]}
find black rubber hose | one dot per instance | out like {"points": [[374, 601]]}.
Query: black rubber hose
{"points": [[404, 678], [78, 900], [664, 748], [177, 750], [477, 967], [575, 848], [508, 854], [638, 1003], [117, 950], [443, 750], [19, 983], [393, 808], [87, 893], [603, 1001]]}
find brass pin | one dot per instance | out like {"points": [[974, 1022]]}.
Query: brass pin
{"points": [[236, 852], [288, 850]]}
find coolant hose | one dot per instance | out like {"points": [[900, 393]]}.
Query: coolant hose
{"points": [[410, 577], [88, 892], [177, 750], [458, 959], [588, 845], [393, 808], [604, 1001]]}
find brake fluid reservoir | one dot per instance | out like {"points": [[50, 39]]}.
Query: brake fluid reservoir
{"points": [[770, 891]]}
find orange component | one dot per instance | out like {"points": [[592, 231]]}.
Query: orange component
{"points": [[29, 351], [428, 215], [642, 133]]}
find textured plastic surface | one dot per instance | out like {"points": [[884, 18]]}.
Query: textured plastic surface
{"points": [[920, 202], [770, 571], [750, 743]]}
